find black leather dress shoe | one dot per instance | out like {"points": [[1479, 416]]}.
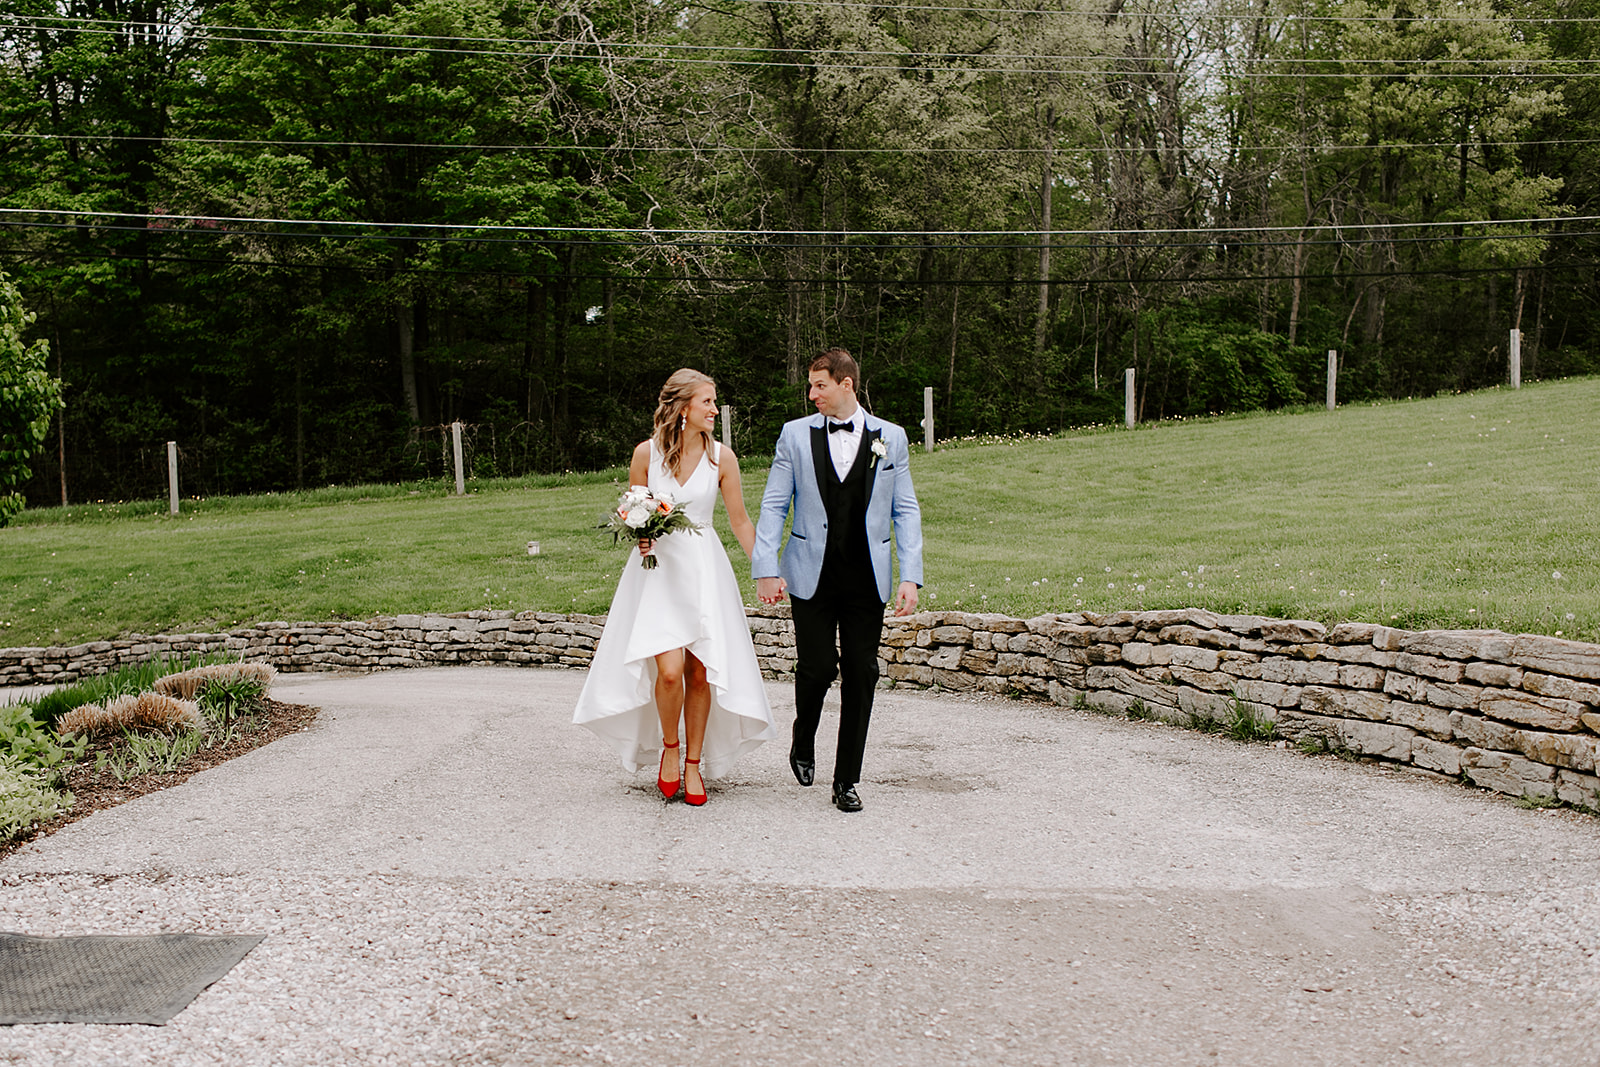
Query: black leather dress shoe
{"points": [[804, 769], [845, 798]]}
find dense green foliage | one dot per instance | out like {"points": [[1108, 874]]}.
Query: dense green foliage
{"points": [[28, 398], [299, 237]]}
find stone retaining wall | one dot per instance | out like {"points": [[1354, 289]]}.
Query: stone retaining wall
{"points": [[1518, 714]]}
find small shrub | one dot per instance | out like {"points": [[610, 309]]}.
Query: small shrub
{"points": [[26, 800], [1204, 723], [1245, 725], [147, 711], [1139, 710], [1537, 803], [1081, 701]]}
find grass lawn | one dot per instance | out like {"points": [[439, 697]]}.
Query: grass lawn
{"points": [[1461, 511]]}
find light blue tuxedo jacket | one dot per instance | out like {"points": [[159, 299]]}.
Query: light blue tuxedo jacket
{"points": [[892, 510]]}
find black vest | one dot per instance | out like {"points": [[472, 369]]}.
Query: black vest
{"points": [[848, 557]]}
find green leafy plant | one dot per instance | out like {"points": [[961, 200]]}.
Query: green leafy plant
{"points": [[28, 744], [1245, 725], [1139, 710], [146, 753], [1539, 802], [1312, 743], [29, 398], [1202, 722], [26, 800]]}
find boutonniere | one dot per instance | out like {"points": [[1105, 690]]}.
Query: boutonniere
{"points": [[879, 450]]}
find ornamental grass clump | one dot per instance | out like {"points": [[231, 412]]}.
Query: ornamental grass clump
{"points": [[147, 711], [187, 685]]}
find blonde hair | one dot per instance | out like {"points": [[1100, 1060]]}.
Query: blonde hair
{"points": [[670, 415]]}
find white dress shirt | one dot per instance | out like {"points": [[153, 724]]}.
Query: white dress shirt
{"points": [[844, 444]]}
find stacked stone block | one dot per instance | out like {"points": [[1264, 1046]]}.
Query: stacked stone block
{"points": [[1515, 713]]}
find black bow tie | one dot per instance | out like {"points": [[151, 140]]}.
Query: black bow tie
{"points": [[835, 427]]}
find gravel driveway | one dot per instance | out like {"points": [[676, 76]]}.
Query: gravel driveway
{"points": [[448, 872]]}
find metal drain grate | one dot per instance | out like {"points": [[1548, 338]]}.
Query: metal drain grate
{"points": [[105, 978]]}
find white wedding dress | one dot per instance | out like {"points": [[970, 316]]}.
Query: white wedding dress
{"points": [[690, 599]]}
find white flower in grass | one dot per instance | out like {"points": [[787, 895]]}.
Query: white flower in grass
{"points": [[1202, 568], [1139, 588], [1111, 585], [1556, 575], [1570, 616]]}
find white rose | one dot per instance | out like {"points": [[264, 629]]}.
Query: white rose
{"points": [[637, 516]]}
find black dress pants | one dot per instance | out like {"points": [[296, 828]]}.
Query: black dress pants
{"points": [[851, 614]]}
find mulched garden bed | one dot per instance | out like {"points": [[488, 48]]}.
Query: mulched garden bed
{"points": [[94, 790]]}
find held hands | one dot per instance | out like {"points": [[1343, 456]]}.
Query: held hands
{"points": [[771, 590], [905, 600]]}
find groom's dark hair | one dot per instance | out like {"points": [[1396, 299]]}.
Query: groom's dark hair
{"points": [[840, 365]]}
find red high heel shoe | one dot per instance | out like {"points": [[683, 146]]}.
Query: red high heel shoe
{"points": [[668, 789], [695, 799]]}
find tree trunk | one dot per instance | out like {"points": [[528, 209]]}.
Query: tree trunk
{"points": [[299, 421], [1046, 186], [408, 366]]}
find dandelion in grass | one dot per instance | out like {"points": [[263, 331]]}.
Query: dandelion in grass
{"points": [[1036, 585], [1139, 588], [1556, 575], [1111, 585], [1571, 616]]}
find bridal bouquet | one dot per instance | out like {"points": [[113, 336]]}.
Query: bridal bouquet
{"points": [[645, 516]]}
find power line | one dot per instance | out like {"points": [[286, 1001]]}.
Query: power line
{"points": [[665, 232], [765, 149], [819, 282], [1214, 238], [1513, 68], [1097, 15], [1100, 15]]}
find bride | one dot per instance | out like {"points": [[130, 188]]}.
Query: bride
{"points": [[676, 648]]}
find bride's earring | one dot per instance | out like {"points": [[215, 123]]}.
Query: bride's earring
{"points": [[683, 423]]}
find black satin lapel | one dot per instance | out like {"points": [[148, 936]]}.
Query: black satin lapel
{"points": [[821, 458], [872, 461]]}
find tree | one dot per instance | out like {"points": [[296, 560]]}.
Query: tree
{"points": [[28, 397]]}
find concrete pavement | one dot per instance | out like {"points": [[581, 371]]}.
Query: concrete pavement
{"points": [[450, 872]]}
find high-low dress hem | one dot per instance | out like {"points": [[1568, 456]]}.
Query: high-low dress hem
{"points": [[690, 600]]}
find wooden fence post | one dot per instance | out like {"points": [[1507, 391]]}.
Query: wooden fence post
{"points": [[1127, 398], [172, 476], [455, 446]]}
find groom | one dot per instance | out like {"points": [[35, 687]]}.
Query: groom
{"points": [[848, 476]]}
